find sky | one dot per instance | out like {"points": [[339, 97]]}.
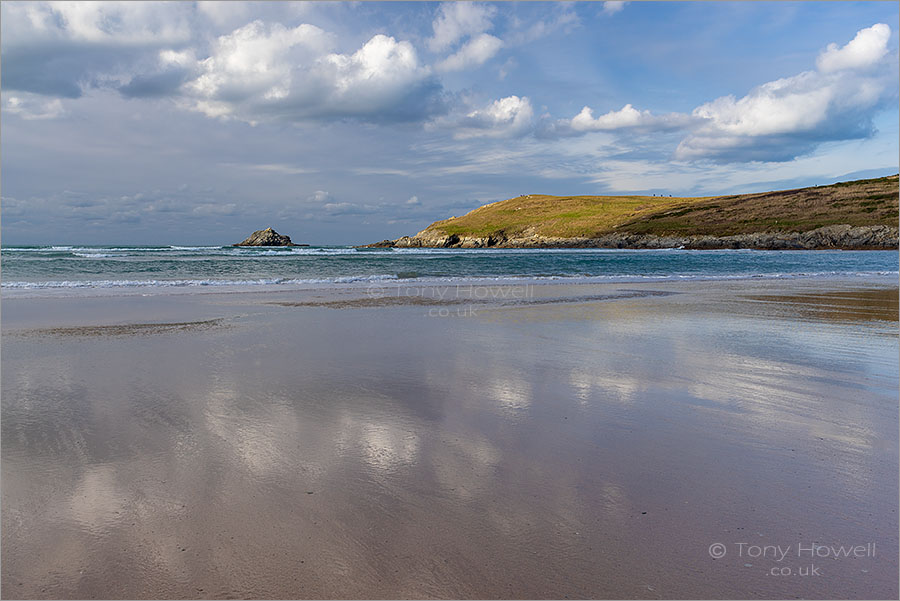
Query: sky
{"points": [[352, 122]]}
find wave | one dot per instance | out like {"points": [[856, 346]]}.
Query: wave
{"points": [[195, 247], [189, 283], [425, 281]]}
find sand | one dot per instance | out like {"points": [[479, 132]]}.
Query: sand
{"points": [[559, 441]]}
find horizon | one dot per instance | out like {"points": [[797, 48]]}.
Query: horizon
{"points": [[341, 124], [164, 244]]}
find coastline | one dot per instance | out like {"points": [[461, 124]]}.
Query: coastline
{"points": [[582, 440], [836, 237]]}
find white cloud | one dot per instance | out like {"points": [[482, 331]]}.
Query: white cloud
{"points": [[457, 20], [255, 61], [626, 117], [412, 200], [261, 72], [376, 74], [33, 107], [62, 48], [118, 23], [613, 6], [506, 117], [866, 49], [474, 53], [321, 196], [782, 119]]}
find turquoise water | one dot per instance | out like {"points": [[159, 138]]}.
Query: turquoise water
{"points": [[97, 267]]}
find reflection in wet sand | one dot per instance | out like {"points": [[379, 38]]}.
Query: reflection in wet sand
{"points": [[586, 449]]}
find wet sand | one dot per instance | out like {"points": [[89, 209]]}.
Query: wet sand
{"points": [[559, 441]]}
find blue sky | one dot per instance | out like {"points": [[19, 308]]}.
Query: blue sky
{"points": [[342, 123]]}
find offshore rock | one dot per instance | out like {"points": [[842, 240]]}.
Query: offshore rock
{"points": [[267, 237]]}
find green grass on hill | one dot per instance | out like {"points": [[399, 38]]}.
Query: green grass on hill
{"points": [[862, 202]]}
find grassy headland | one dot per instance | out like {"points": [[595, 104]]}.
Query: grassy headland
{"points": [[543, 219]]}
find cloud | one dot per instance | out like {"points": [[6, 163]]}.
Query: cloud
{"points": [[507, 117], [565, 20], [627, 117], [474, 53], [349, 208], [60, 48], [174, 69], [254, 61], [782, 119], [412, 200], [320, 196], [457, 20], [263, 72], [863, 51], [223, 12], [623, 121], [105, 23], [613, 6], [211, 209], [31, 106]]}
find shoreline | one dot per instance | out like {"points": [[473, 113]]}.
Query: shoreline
{"points": [[202, 287], [184, 307], [834, 237], [589, 441]]}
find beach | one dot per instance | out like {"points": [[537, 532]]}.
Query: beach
{"points": [[659, 439]]}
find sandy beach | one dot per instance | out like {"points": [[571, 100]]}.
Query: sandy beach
{"points": [[722, 439]]}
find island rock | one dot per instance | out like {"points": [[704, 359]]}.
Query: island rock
{"points": [[267, 237]]}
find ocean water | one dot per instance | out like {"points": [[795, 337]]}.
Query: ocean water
{"points": [[82, 269]]}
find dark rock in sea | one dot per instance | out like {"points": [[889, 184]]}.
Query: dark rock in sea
{"points": [[267, 237]]}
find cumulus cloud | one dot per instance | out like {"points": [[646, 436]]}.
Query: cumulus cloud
{"points": [[867, 48], [627, 117], [457, 20], [254, 61], [625, 120], [785, 118], [257, 72], [475, 52], [260, 72], [504, 118]]}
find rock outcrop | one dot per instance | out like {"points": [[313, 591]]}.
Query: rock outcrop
{"points": [[868, 237], [267, 237]]}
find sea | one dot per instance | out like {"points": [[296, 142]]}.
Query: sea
{"points": [[90, 270]]}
